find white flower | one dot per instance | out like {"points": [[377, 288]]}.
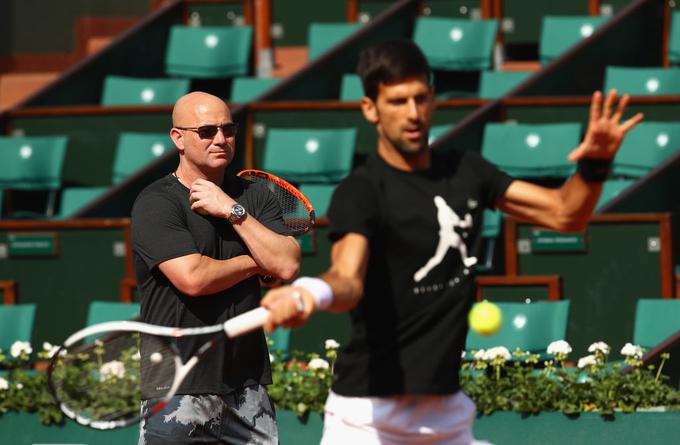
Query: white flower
{"points": [[4, 384], [462, 354], [20, 346], [50, 348], [588, 360], [136, 356], [112, 369], [318, 363], [271, 358], [20, 386], [332, 344], [480, 355], [599, 346], [632, 350], [498, 351], [559, 347]]}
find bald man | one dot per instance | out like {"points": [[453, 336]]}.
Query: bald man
{"points": [[200, 238]]}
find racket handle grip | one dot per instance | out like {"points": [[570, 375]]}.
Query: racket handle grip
{"points": [[246, 322]]}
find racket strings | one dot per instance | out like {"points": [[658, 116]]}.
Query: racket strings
{"points": [[98, 379]]}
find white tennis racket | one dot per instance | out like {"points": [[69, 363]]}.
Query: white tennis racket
{"points": [[95, 376]]}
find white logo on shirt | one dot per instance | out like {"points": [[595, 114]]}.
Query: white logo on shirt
{"points": [[448, 238]]}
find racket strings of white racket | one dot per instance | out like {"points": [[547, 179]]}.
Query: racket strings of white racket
{"points": [[98, 379]]}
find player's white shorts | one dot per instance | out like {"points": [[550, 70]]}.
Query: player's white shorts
{"points": [[422, 420]]}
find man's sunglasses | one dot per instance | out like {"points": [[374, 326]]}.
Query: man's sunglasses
{"points": [[209, 131]]}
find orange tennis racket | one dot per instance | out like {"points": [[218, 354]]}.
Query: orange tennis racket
{"points": [[298, 213]]}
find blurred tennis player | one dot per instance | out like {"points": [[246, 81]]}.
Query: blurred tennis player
{"points": [[402, 225]]}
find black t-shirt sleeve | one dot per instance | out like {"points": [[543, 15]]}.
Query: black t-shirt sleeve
{"points": [[494, 182], [159, 230], [354, 208]]}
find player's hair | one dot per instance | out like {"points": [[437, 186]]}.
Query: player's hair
{"points": [[389, 62]]}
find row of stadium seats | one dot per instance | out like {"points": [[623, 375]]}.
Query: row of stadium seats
{"points": [[316, 159]]}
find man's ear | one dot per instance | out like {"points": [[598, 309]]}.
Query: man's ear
{"points": [[178, 138], [369, 109]]}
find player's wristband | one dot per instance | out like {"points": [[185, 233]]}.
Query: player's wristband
{"points": [[594, 170], [320, 290]]}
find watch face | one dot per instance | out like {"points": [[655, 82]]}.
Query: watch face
{"points": [[237, 212]]}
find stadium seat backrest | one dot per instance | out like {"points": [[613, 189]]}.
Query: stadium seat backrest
{"points": [[674, 41], [102, 311], [32, 163], [320, 197], [246, 89], [643, 81], [16, 323], [559, 33], [645, 147], [324, 36], [136, 150], [655, 320], [496, 84], [209, 51], [491, 227], [351, 89], [137, 91], [75, 198], [310, 154], [611, 189], [280, 341], [535, 150], [530, 327], [456, 44]]}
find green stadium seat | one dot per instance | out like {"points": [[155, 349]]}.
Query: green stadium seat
{"points": [[136, 91], [75, 198], [436, 131], [33, 163], [656, 319], [531, 151], [674, 41], [645, 147], [496, 84], [351, 89], [528, 326], [17, 324], [320, 196], [643, 81], [103, 311], [456, 44], [208, 52], [246, 89], [324, 36], [611, 189], [491, 229], [136, 150], [559, 33], [306, 155]]}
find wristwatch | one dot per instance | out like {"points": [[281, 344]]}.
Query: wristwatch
{"points": [[238, 212]]}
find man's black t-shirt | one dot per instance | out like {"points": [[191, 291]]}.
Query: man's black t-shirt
{"points": [[409, 329], [164, 227]]}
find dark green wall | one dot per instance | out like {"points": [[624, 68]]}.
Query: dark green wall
{"points": [[604, 283], [48, 26], [85, 269]]}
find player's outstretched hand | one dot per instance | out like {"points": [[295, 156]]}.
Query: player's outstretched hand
{"points": [[289, 307], [605, 129]]}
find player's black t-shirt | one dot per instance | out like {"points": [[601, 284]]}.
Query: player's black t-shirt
{"points": [[164, 227], [409, 329]]}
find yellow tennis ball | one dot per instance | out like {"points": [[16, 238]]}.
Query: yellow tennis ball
{"points": [[485, 318]]}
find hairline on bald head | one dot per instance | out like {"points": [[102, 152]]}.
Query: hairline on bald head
{"points": [[189, 106]]}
